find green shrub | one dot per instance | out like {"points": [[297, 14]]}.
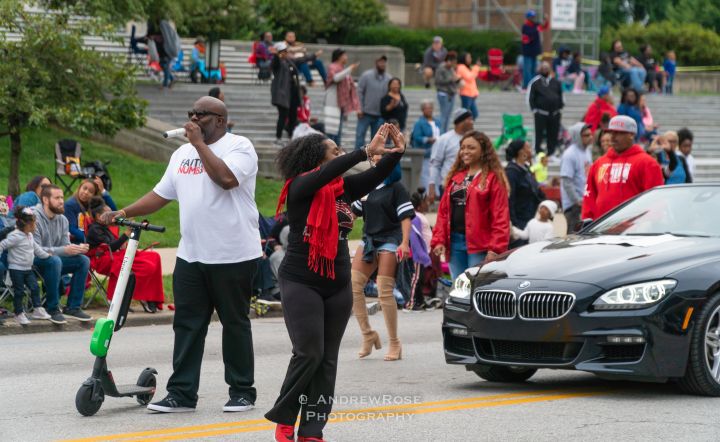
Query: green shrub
{"points": [[414, 42], [693, 44]]}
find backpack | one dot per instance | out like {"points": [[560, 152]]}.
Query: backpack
{"points": [[171, 39]]}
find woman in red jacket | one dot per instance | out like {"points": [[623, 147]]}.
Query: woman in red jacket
{"points": [[473, 221]]}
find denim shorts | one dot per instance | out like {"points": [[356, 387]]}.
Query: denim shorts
{"points": [[384, 247]]}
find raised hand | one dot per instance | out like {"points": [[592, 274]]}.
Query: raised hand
{"points": [[397, 138], [377, 144]]}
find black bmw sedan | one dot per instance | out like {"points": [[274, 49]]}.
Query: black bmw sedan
{"points": [[635, 295]]}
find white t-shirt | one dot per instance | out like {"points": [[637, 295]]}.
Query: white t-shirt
{"points": [[217, 226]]}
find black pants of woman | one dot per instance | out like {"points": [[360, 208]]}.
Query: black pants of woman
{"points": [[287, 119], [316, 321]]}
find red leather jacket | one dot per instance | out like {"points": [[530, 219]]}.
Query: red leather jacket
{"points": [[487, 215]]}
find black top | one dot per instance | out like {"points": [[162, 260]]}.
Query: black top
{"points": [[398, 113], [545, 95], [300, 195], [101, 234], [525, 194], [382, 212], [458, 199]]}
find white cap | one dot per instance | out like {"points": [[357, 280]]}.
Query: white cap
{"points": [[281, 46], [621, 123], [551, 206]]}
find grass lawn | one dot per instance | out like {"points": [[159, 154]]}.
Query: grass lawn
{"points": [[132, 176]]}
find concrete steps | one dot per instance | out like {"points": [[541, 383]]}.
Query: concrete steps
{"points": [[250, 108]]}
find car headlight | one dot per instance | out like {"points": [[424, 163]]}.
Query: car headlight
{"points": [[461, 287], [635, 296]]}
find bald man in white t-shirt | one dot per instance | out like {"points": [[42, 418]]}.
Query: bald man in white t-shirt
{"points": [[213, 179]]}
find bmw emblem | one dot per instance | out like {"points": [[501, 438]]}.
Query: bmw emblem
{"points": [[524, 284]]}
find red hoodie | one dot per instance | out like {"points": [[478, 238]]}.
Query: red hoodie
{"points": [[595, 111], [487, 215], [616, 177]]}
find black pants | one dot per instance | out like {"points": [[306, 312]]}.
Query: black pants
{"points": [[547, 127], [316, 321], [572, 216], [21, 279], [287, 119], [199, 289]]}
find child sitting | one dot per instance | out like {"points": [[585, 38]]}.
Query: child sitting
{"points": [[22, 250], [146, 266], [541, 227]]}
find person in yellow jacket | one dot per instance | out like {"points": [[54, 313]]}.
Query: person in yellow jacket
{"points": [[540, 168]]}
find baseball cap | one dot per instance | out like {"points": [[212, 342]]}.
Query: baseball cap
{"points": [[437, 39], [281, 46], [621, 123], [531, 13], [460, 114], [604, 90]]}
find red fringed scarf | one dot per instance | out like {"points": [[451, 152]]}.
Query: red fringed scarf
{"points": [[321, 231]]}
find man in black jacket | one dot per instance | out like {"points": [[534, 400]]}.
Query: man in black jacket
{"points": [[546, 100], [285, 88]]}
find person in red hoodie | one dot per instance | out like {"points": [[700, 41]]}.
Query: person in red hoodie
{"points": [[473, 220], [603, 104], [623, 172]]}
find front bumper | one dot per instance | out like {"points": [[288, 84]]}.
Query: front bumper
{"points": [[648, 344]]}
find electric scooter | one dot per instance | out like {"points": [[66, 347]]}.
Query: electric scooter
{"points": [[91, 394]]}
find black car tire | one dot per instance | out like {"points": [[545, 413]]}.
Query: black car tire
{"points": [[495, 373], [698, 379]]}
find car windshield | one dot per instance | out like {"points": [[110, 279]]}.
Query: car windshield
{"points": [[680, 211]]}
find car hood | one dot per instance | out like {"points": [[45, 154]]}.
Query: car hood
{"points": [[606, 261]]}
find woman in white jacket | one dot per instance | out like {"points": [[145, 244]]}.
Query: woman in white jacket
{"points": [[340, 95]]}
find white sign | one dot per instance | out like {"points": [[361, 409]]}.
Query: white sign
{"points": [[564, 15]]}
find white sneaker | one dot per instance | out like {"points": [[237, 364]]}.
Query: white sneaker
{"points": [[40, 313], [22, 319]]}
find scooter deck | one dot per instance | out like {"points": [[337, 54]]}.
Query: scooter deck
{"points": [[133, 390]]}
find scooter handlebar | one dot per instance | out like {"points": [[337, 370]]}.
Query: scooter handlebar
{"points": [[143, 226]]}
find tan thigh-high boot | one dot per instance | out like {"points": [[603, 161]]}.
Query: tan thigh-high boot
{"points": [[390, 312], [370, 337]]}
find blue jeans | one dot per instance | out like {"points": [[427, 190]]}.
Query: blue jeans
{"points": [[446, 103], [668, 88], [167, 74], [367, 121], [469, 104], [460, 259], [318, 65], [529, 68], [636, 76], [53, 268]]}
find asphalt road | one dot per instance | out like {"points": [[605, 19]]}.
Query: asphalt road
{"points": [[419, 398]]}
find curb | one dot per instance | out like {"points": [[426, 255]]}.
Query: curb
{"points": [[135, 319]]}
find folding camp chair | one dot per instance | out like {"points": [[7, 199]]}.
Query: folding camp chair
{"points": [[98, 288], [7, 292], [512, 129], [67, 163], [496, 74]]}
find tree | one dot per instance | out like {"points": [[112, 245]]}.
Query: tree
{"points": [[47, 76], [706, 13], [215, 19], [620, 12], [348, 16]]}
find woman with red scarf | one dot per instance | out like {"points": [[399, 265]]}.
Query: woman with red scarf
{"points": [[314, 276]]}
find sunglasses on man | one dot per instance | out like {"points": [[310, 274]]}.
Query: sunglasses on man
{"points": [[201, 114]]}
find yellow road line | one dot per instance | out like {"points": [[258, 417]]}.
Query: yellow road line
{"points": [[254, 425]]}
